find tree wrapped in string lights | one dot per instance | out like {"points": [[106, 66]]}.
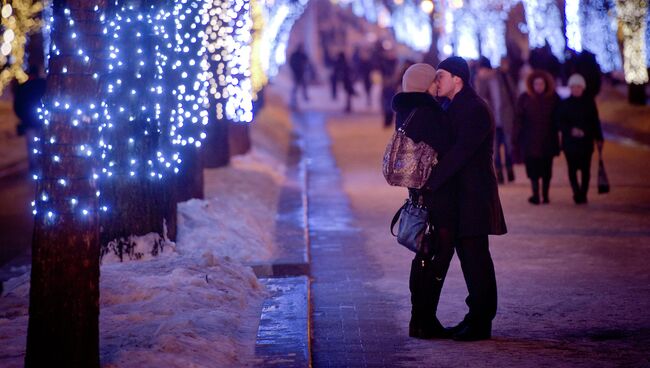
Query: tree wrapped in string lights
{"points": [[131, 177], [186, 75], [598, 32], [545, 26], [63, 328], [632, 21]]}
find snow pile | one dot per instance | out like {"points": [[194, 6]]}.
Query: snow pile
{"points": [[179, 313]]}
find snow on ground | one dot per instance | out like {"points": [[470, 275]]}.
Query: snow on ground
{"points": [[196, 305]]}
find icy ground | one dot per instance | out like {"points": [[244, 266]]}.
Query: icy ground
{"points": [[195, 305]]}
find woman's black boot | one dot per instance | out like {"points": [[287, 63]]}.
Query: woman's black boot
{"points": [[425, 293]]}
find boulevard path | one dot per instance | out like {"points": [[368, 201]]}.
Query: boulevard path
{"points": [[574, 281]]}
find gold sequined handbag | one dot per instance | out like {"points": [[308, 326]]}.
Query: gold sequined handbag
{"points": [[406, 163]]}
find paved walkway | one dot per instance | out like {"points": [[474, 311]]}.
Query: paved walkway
{"points": [[574, 283], [352, 324]]}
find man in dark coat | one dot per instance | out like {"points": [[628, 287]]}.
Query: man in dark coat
{"points": [[300, 69], [469, 161]]}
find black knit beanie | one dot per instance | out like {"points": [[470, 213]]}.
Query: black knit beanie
{"points": [[457, 66]]}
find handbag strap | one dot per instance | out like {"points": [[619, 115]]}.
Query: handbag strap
{"points": [[408, 120], [396, 217]]}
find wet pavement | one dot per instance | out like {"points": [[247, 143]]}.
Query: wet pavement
{"points": [[283, 334]]}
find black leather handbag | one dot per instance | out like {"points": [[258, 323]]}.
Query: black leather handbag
{"points": [[414, 230]]}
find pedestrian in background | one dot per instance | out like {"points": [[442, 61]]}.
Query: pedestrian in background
{"points": [[428, 125], [342, 75], [469, 163], [536, 134], [300, 71], [27, 100], [391, 86], [496, 88], [577, 118], [364, 67], [390, 80]]}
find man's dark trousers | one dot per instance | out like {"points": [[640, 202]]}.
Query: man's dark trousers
{"points": [[478, 270]]}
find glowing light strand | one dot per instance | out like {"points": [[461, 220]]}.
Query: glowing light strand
{"points": [[82, 114], [545, 25], [19, 19], [632, 15]]}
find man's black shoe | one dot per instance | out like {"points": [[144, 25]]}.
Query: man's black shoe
{"points": [[473, 333]]}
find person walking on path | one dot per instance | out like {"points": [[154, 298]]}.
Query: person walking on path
{"points": [[27, 99], [429, 125], [496, 88], [469, 162], [578, 121], [342, 74], [536, 134], [300, 70]]}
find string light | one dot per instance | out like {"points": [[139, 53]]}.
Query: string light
{"points": [[134, 73], [632, 15], [412, 26], [573, 34], [598, 32], [229, 46], [69, 151], [545, 25], [279, 17], [19, 19]]}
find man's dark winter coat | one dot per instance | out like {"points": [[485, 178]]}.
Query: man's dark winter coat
{"points": [[469, 161]]}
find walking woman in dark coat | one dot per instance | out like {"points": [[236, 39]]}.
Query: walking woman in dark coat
{"points": [[536, 134], [428, 124], [577, 118]]}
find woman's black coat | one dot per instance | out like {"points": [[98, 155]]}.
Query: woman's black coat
{"points": [[429, 124], [469, 161], [581, 113]]}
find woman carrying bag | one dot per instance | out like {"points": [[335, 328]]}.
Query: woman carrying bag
{"points": [[577, 118], [422, 119]]}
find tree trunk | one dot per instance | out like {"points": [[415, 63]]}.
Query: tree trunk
{"points": [[189, 180], [636, 94], [63, 328], [239, 138], [216, 150], [134, 193]]}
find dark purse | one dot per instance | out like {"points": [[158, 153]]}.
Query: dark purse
{"points": [[414, 231], [603, 181]]}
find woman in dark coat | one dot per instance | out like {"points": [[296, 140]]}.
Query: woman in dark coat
{"points": [[429, 125], [535, 132], [577, 118]]}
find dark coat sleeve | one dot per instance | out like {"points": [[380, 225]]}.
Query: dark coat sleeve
{"points": [[472, 127], [597, 127]]}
